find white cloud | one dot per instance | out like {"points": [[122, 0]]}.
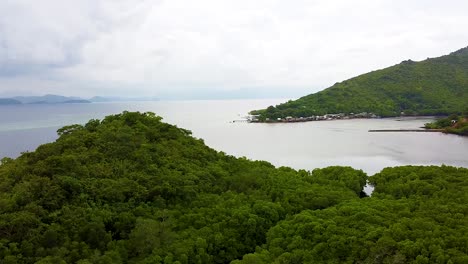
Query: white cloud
{"points": [[159, 47]]}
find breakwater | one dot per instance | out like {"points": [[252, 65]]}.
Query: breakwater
{"points": [[406, 130]]}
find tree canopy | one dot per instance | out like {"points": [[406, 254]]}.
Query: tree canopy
{"points": [[132, 189]]}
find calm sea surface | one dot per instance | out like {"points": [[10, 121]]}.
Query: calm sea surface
{"points": [[299, 145]]}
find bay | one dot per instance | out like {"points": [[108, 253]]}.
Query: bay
{"points": [[306, 145]]}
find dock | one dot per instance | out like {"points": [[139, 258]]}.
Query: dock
{"points": [[406, 130]]}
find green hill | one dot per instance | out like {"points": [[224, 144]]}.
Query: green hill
{"points": [[437, 86], [132, 189]]}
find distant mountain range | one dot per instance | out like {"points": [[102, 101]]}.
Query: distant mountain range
{"points": [[49, 99], [45, 99], [59, 99], [437, 86], [121, 99], [8, 101]]}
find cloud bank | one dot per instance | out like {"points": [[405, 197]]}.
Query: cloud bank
{"points": [[182, 48]]}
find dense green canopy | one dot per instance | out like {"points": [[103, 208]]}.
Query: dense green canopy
{"points": [[437, 86], [415, 215], [132, 189]]}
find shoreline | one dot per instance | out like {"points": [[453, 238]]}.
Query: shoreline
{"points": [[302, 120]]}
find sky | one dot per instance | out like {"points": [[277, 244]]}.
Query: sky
{"points": [[208, 49]]}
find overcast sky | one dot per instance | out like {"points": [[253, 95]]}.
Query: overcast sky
{"points": [[214, 48]]}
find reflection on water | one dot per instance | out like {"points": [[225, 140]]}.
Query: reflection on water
{"points": [[299, 145]]}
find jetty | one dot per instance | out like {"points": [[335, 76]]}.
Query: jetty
{"points": [[406, 130]]}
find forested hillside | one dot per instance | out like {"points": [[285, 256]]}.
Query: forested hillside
{"points": [[132, 189], [437, 86]]}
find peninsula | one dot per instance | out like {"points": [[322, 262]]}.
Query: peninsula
{"points": [[436, 86], [453, 125]]}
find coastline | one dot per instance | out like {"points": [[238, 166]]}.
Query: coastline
{"points": [[336, 117], [332, 117], [326, 117]]}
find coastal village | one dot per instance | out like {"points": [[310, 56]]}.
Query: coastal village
{"points": [[290, 119]]}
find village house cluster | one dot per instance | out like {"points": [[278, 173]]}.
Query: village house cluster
{"points": [[290, 119]]}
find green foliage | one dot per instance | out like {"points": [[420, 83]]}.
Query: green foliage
{"points": [[132, 189], [436, 86], [415, 215], [453, 124]]}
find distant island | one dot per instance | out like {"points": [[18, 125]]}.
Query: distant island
{"points": [[9, 101], [59, 99], [102, 99], [45, 99], [437, 86]]}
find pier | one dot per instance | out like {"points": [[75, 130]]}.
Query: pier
{"points": [[406, 130]]}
